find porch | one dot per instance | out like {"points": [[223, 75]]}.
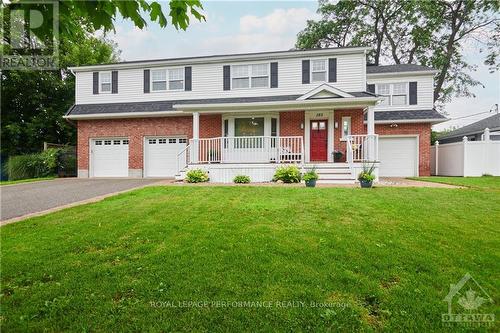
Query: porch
{"points": [[309, 132]]}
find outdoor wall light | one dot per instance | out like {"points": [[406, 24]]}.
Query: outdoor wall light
{"points": [[393, 125], [301, 125], [336, 124]]}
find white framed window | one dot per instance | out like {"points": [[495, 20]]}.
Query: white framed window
{"points": [[393, 93], [346, 127], [158, 79], [250, 76], [400, 93], [105, 82], [176, 79], [167, 79], [318, 70]]}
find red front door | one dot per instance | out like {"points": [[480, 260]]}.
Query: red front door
{"points": [[319, 140]]}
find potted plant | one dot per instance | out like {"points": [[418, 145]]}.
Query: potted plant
{"points": [[310, 177], [337, 155], [366, 177]]}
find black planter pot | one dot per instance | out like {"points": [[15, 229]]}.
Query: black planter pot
{"points": [[366, 184], [311, 183]]}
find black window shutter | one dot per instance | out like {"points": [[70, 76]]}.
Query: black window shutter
{"points": [[274, 75], [332, 70], [305, 71], [95, 83], [114, 82], [226, 81], [413, 93], [146, 81], [187, 78], [370, 88]]}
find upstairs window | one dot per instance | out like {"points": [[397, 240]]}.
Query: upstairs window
{"points": [[173, 79], [318, 70], [159, 79], [393, 93], [250, 76], [105, 81], [176, 79]]}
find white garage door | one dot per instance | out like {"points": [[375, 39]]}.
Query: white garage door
{"points": [[109, 157], [160, 156], [398, 156]]}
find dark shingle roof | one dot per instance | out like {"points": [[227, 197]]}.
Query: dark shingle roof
{"points": [[493, 123], [408, 115], [372, 69], [157, 106]]}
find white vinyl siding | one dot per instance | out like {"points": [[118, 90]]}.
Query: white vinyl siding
{"points": [[207, 82], [425, 92]]}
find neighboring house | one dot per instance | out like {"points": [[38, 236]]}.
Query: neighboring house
{"points": [[474, 131], [248, 113]]}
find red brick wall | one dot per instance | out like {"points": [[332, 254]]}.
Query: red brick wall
{"points": [[357, 127], [290, 122], [210, 126], [424, 132], [134, 130]]}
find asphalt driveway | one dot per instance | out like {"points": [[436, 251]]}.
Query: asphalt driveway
{"points": [[29, 198]]}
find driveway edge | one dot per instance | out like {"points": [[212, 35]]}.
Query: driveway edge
{"points": [[73, 204]]}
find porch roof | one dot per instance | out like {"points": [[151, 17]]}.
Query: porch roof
{"points": [[180, 107], [408, 116]]}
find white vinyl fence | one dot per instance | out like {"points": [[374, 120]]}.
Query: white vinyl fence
{"points": [[466, 158]]}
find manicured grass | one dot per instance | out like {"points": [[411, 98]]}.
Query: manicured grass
{"points": [[12, 182], [485, 182], [382, 259]]}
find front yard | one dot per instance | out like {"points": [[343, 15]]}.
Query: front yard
{"points": [[184, 258]]}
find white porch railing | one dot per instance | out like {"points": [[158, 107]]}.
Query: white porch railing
{"points": [[246, 149], [362, 148]]}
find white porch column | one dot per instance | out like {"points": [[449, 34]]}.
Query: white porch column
{"points": [[486, 134], [371, 120], [370, 113], [196, 136]]}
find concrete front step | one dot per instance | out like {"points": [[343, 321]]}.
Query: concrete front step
{"points": [[336, 181], [335, 176]]}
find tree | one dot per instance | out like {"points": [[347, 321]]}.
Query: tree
{"points": [[33, 102], [431, 33]]}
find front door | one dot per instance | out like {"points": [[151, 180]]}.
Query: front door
{"points": [[319, 140]]}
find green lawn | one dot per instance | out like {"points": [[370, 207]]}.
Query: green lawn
{"points": [[381, 259], [485, 182], [12, 182]]}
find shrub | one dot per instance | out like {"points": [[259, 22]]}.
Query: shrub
{"points": [[241, 179], [310, 175], [197, 176], [287, 174], [33, 165], [367, 174]]}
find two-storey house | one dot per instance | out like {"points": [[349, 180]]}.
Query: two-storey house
{"points": [[246, 114]]}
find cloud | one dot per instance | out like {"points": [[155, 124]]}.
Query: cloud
{"points": [[131, 40], [275, 31], [280, 21]]}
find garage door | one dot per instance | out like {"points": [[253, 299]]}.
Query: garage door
{"points": [[398, 156], [160, 156], [109, 158]]}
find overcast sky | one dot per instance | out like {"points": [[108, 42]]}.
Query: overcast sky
{"points": [[253, 26]]}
